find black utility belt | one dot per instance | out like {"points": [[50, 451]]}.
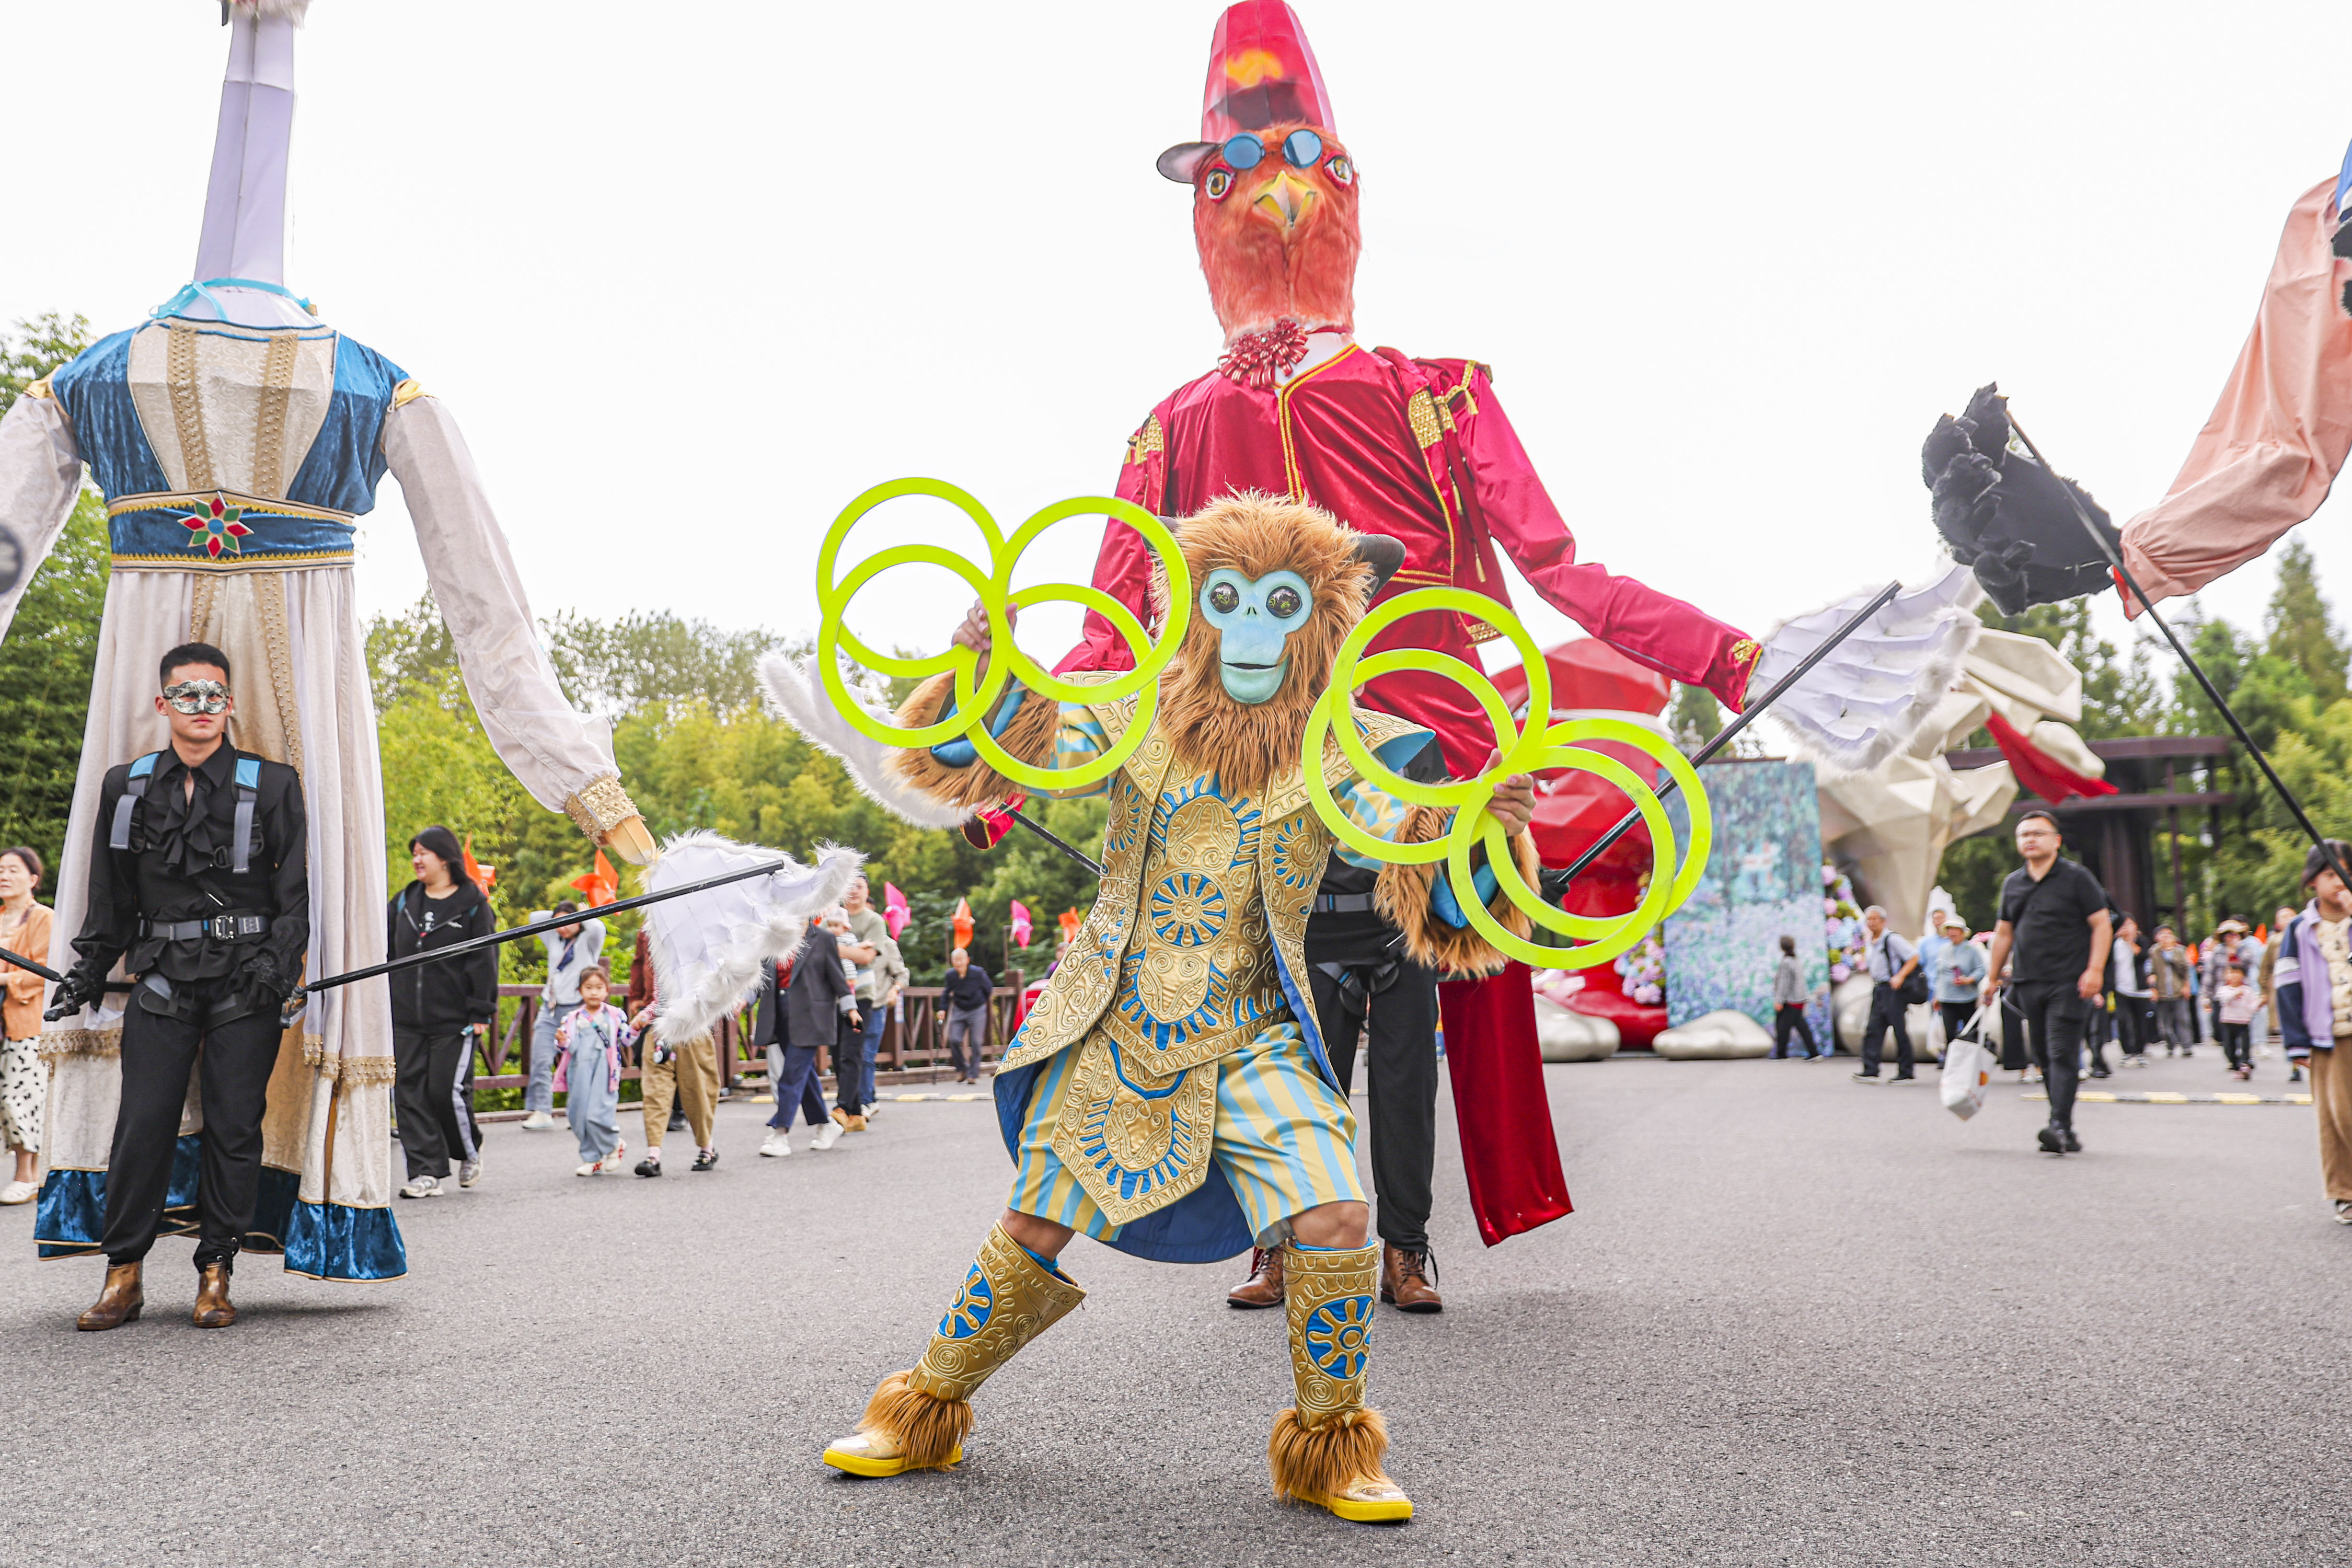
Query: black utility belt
{"points": [[235, 926], [1341, 904]]}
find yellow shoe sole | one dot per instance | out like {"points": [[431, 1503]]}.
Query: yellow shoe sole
{"points": [[860, 1465], [1394, 1510]]}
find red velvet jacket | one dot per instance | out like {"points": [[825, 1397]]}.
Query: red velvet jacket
{"points": [[1420, 450]]}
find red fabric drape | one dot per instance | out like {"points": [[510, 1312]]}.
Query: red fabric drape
{"points": [[1508, 1152], [2036, 769]]}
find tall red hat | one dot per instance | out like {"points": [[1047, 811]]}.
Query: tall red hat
{"points": [[1261, 73]]}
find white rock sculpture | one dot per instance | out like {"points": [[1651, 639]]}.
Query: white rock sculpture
{"points": [[1715, 1036], [1568, 1035]]}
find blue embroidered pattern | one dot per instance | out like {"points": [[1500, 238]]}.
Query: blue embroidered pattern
{"points": [[1187, 909], [1294, 867], [969, 1313], [1339, 1337]]}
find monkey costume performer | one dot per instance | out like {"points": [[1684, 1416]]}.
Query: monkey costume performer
{"points": [[1171, 1094]]}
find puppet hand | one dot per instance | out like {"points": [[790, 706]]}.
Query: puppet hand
{"points": [[76, 992], [797, 691], [1870, 694], [1513, 804], [2004, 514], [631, 840]]}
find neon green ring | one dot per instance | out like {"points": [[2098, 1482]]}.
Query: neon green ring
{"points": [[976, 699]]}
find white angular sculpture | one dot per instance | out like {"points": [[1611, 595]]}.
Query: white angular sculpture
{"points": [[1889, 827]]}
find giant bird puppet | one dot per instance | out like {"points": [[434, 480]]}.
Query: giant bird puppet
{"points": [[1420, 450]]}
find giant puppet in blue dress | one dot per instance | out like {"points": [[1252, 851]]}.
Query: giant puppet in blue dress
{"points": [[236, 437]]}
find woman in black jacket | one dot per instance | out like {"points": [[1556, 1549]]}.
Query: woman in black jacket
{"points": [[435, 1009]]}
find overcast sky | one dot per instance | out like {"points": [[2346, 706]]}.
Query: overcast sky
{"points": [[692, 277]]}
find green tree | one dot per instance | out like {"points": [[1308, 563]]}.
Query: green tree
{"points": [[42, 344], [2301, 631], [1696, 717]]}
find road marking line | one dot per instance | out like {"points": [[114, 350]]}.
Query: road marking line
{"points": [[2162, 1097]]}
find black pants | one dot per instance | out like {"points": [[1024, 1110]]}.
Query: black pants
{"points": [[849, 1069], [1398, 1010], [2055, 1017], [1790, 1017], [2095, 1034], [1885, 1010], [425, 1091], [1956, 1020], [2237, 1044], [233, 1084], [2131, 1023]]}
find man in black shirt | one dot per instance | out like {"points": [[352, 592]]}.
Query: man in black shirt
{"points": [[2054, 931], [199, 883], [1364, 983]]}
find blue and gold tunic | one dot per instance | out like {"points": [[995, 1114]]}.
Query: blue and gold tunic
{"points": [[1170, 1093]]}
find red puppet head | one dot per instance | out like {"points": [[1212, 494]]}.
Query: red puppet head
{"points": [[1273, 192]]}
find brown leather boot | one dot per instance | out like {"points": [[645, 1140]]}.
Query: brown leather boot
{"points": [[1405, 1281], [1264, 1286], [213, 1308], [118, 1304]]}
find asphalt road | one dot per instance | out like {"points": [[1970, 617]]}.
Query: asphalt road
{"points": [[1794, 1320]]}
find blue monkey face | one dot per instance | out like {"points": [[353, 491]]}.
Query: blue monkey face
{"points": [[1253, 622]]}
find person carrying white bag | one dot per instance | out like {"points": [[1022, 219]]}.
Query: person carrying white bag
{"points": [[1968, 1071]]}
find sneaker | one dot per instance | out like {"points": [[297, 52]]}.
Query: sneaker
{"points": [[776, 1147], [706, 1159], [650, 1165], [593, 1167], [1905, 1077], [2053, 1142], [2344, 1211], [537, 1121], [827, 1135], [1867, 1078], [422, 1187], [2073, 1145], [20, 1192], [2296, 1077], [469, 1171]]}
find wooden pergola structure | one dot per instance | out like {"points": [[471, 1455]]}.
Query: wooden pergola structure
{"points": [[2159, 777]]}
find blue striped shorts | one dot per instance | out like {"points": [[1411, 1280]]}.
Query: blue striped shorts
{"points": [[1284, 1138]]}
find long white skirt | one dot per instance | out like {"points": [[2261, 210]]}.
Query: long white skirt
{"points": [[300, 675]]}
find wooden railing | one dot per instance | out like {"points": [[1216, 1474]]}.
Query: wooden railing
{"points": [[913, 1048]]}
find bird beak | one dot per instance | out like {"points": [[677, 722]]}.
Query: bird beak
{"points": [[1285, 200]]}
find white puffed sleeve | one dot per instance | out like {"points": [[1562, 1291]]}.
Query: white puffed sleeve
{"points": [[40, 475], [562, 756]]}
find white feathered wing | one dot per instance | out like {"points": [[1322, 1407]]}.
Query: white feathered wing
{"points": [[1865, 701], [711, 949], [800, 698]]}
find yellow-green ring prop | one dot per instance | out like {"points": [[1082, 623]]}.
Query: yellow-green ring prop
{"points": [[1535, 747], [976, 699]]}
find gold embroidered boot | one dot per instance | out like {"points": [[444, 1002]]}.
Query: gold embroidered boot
{"points": [[917, 1420], [1326, 1449]]}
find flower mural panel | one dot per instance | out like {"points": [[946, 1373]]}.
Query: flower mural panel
{"points": [[1764, 880]]}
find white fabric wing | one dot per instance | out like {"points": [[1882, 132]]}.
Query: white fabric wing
{"points": [[711, 949], [798, 693], [554, 749], [1863, 702], [40, 475]]}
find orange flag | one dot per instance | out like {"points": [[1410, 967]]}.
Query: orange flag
{"points": [[600, 886], [481, 876], [963, 922]]}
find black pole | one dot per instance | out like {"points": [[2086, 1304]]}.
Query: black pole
{"points": [[1556, 881], [576, 917], [2229, 715], [1040, 831], [43, 969]]}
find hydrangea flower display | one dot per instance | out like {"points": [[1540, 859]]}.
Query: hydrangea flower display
{"points": [[1841, 925]]}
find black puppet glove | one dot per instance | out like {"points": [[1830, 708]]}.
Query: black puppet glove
{"points": [[74, 993], [2008, 518]]}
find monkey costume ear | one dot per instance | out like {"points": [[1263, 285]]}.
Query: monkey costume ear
{"points": [[1384, 555]]}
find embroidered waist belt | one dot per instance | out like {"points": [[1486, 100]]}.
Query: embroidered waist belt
{"points": [[222, 530]]}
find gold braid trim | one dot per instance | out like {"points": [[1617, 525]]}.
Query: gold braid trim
{"points": [[1401, 896], [187, 413], [39, 389], [1029, 737], [56, 1044], [600, 807], [349, 1071], [270, 417], [314, 1054], [269, 599]]}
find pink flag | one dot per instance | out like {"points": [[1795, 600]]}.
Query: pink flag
{"points": [[895, 913], [1021, 922]]}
